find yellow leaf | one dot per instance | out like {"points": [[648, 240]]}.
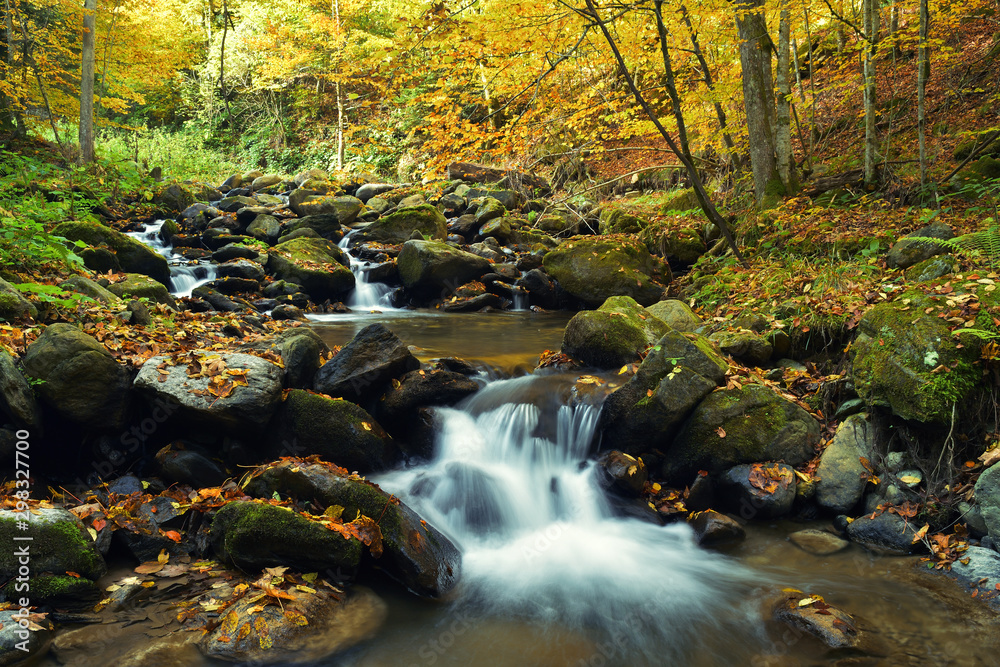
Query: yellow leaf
{"points": [[623, 370], [366, 426], [919, 535]]}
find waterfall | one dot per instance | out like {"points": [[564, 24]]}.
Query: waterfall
{"points": [[366, 295], [511, 485], [184, 275]]}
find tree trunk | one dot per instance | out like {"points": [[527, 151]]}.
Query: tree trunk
{"points": [[923, 73], [222, 61], [668, 79], [341, 148], [758, 98], [86, 133], [871, 26], [894, 30], [783, 134]]}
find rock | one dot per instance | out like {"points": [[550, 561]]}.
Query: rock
{"points": [[216, 299], [19, 645], [988, 499], [981, 572], [338, 431], [818, 542], [675, 313], [760, 490], [679, 200], [435, 269], [842, 477], [243, 408], [712, 529], [191, 465], [326, 226], [887, 533], [13, 305], [100, 260], [59, 544], [138, 286], [905, 252], [241, 268], [931, 269], [646, 412], [614, 334], [80, 380], [335, 623], [265, 181], [363, 367], [498, 229], [415, 553], [253, 535], [618, 221], [265, 228], [489, 209], [287, 311], [896, 352], [345, 209], [625, 474], [743, 345], [369, 190], [399, 227], [88, 287], [594, 269], [542, 290], [133, 256], [234, 203], [173, 198], [300, 355], [744, 425], [319, 266], [17, 400], [234, 251], [509, 199], [834, 627], [417, 389], [682, 247]]}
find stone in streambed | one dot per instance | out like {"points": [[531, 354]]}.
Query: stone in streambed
{"points": [[834, 627], [818, 542], [613, 335], [594, 269], [17, 400], [842, 476], [363, 367], [138, 286], [59, 544], [13, 305], [677, 314], [400, 226], [398, 407], [432, 269], [988, 499], [317, 264], [887, 533], [713, 529], [623, 473], [759, 491], [133, 256]]}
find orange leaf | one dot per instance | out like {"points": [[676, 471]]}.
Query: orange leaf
{"points": [[172, 535]]}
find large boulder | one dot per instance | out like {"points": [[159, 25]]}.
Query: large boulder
{"points": [[988, 500], [885, 533], [133, 255], [906, 252], [399, 226], [138, 286], [415, 553], [646, 412], [594, 269], [741, 425], [17, 401], [318, 265], [253, 535], [79, 379], [327, 226], [842, 476], [746, 346], [420, 389], [365, 366], [265, 228], [174, 198], [908, 360], [336, 430], [13, 305], [431, 268], [614, 334], [759, 490], [345, 209], [677, 314], [59, 544], [227, 391]]}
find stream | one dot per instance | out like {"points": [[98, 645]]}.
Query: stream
{"points": [[552, 577]]}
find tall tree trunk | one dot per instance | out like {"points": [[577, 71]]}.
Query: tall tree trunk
{"points": [[222, 61], [668, 79], [870, 14], [758, 98], [720, 113], [8, 110], [894, 30], [783, 133], [341, 148], [86, 133], [812, 87], [703, 199], [923, 73]]}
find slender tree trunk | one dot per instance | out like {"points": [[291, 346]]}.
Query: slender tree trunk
{"points": [[103, 91], [86, 133], [871, 26], [341, 148], [703, 199], [923, 73], [783, 134], [798, 70], [9, 116], [758, 98], [812, 87], [720, 113], [894, 30], [222, 60], [668, 79]]}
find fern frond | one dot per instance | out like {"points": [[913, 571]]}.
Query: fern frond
{"points": [[985, 243]]}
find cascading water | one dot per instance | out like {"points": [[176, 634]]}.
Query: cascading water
{"points": [[366, 295], [184, 276], [510, 485]]}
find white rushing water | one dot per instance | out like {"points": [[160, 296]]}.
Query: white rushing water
{"points": [[511, 486], [184, 275], [366, 295]]}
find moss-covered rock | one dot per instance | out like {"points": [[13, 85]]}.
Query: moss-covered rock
{"points": [[132, 255], [907, 252], [679, 200], [619, 221], [345, 209], [253, 536], [337, 430], [677, 314], [931, 269], [842, 476], [499, 228], [684, 246], [59, 544], [88, 287], [964, 148], [746, 346], [744, 425], [173, 198], [318, 265], [988, 499], [17, 401], [489, 209], [614, 334], [399, 226], [908, 361], [13, 305], [80, 380], [433, 269], [61, 590], [594, 269], [138, 286], [416, 554]]}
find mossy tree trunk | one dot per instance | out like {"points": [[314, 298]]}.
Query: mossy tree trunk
{"points": [[86, 133], [870, 14], [783, 136]]}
